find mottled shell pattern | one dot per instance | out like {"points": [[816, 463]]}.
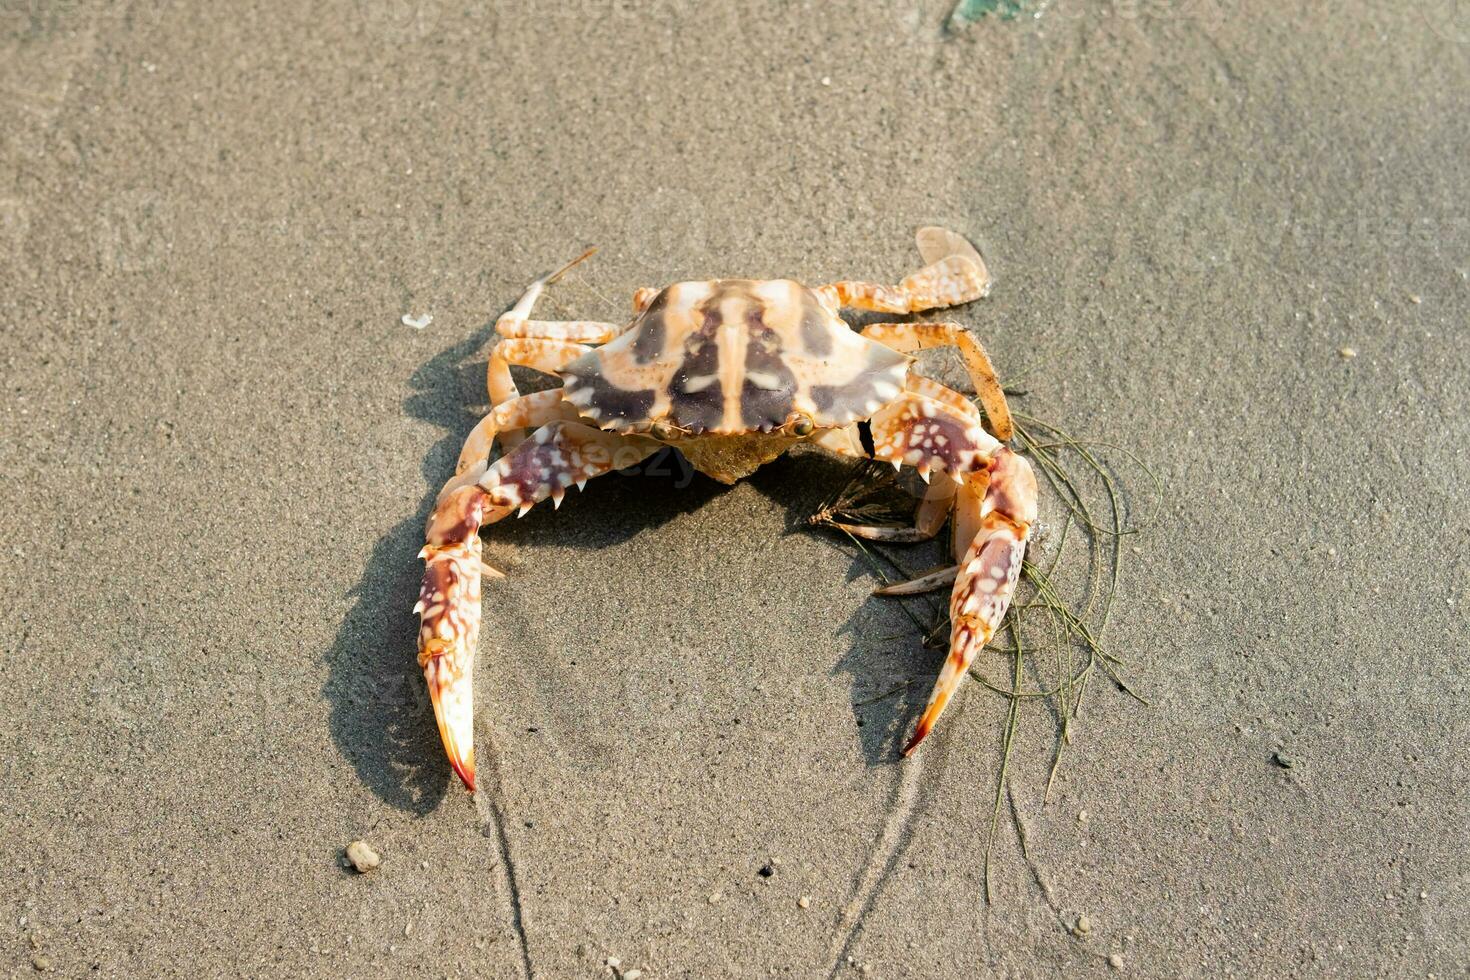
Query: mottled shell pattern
{"points": [[734, 356]]}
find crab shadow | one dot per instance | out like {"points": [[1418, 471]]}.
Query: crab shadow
{"points": [[889, 670], [884, 654]]}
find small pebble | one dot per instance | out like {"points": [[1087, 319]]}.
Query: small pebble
{"points": [[632, 974], [1415, 298], [613, 962], [1282, 759], [1346, 353], [41, 963], [1083, 926], [1115, 961], [1082, 816], [417, 322], [1423, 896], [714, 898], [766, 870], [804, 902], [362, 856]]}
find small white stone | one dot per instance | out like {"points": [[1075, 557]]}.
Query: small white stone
{"points": [[417, 322], [362, 856], [804, 902]]}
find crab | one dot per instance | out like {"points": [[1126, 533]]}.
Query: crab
{"points": [[732, 373]]}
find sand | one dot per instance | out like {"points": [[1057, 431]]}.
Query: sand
{"points": [[219, 439]]}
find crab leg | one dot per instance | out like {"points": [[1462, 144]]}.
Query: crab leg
{"points": [[930, 516], [926, 432], [927, 582], [910, 337], [988, 573], [540, 354], [948, 282], [516, 323], [577, 331], [955, 274], [556, 456], [449, 619], [524, 412], [930, 426]]}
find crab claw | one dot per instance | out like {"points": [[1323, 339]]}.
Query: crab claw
{"points": [[987, 575], [453, 699], [449, 627]]}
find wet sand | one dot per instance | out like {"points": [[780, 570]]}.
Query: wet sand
{"points": [[220, 440]]}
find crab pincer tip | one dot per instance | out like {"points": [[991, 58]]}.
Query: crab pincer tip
{"points": [[452, 712], [919, 735], [462, 758], [465, 768]]}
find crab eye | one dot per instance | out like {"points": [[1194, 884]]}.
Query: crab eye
{"points": [[663, 431], [803, 425]]}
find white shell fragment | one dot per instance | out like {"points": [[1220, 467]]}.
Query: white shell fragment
{"points": [[417, 322]]}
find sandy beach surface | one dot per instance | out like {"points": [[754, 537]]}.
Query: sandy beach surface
{"points": [[1232, 237]]}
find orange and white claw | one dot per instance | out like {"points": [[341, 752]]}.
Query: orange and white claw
{"points": [[987, 578], [449, 607], [449, 625], [453, 697]]}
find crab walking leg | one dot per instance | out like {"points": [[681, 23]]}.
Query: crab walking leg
{"points": [[951, 281], [555, 457], [910, 337], [511, 323], [547, 356], [539, 354], [927, 582], [929, 517], [576, 331], [987, 578]]}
